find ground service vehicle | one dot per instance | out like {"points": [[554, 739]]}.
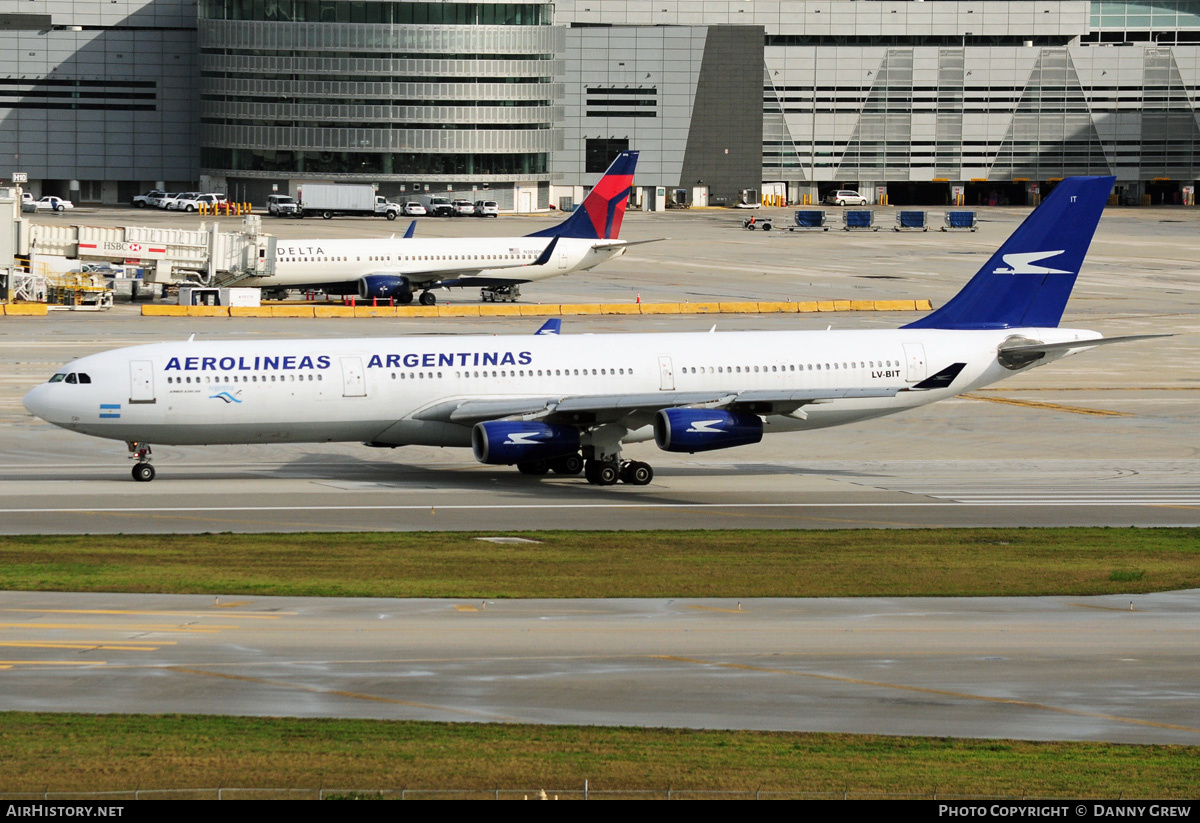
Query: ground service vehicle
{"points": [[336, 199], [437, 206], [281, 205]]}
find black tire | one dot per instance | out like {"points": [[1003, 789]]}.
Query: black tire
{"points": [[766, 226], [60, 207], [607, 474], [534, 467], [570, 465], [637, 473], [428, 298], [191, 208], [404, 298], [141, 204], [328, 215], [391, 215], [143, 472]]}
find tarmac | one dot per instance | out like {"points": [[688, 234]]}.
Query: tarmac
{"points": [[1104, 438]]}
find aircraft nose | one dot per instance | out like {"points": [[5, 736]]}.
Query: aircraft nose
{"points": [[36, 402]]}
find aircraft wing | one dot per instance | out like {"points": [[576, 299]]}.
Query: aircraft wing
{"points": [[589, 409]]}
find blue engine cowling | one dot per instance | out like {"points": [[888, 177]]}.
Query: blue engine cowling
{"points": [[701, 430], [505, 442], [383, 286]]}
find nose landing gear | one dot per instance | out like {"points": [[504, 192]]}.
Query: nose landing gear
{"points": [[142, 472]]}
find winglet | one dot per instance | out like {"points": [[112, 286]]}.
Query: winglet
{"points": [[551, 326], [546, 254], [412, 229], [1027, 282]]}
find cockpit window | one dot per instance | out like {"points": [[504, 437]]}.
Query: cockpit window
{"points": [[83, 378], [58, 378], [71, 378]]}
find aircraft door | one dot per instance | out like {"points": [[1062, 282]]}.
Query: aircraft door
{"points": [[141, 381], [353, 380], [914, 354], [666, 374]]}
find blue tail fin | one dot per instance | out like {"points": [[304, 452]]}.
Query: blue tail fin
{"points": [[599, 216], [1026, 283]]}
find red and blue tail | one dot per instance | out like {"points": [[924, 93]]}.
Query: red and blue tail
{"points": [[599, 216]]}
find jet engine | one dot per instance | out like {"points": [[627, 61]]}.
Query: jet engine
{"points": [[701, 430], [385, 286], [504, 442]]}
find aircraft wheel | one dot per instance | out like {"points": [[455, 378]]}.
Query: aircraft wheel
{"points": [[572, 464], [537, 467], [428, 298], [601, 473], [636, 473], [143, 472], [404, 298]]}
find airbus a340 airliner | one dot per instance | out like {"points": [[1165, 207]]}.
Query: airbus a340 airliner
{"points": [[395, 268], [550, 402]]}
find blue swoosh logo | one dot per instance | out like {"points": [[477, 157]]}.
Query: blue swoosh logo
{"points": [[226, 396]]}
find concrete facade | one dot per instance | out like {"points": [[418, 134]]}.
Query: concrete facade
{"points": [[98, 100]]}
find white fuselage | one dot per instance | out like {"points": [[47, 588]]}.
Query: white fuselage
{"points": [[376, 390], [313, 262]]}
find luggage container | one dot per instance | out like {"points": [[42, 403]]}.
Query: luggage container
{"points": [[910, 221], [809, 219], [960, 221], [863, 220]]}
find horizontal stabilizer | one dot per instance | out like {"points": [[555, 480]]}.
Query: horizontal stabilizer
{"points": [[1022, 352]]}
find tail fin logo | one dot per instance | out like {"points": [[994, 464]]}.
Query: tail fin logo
{"points": [[1022, 263]]}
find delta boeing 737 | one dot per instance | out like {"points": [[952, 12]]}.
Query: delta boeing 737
{"points": [[396, 268], [551, 402]]}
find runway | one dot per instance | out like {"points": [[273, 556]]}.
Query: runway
{"points": [[1112, 668]]}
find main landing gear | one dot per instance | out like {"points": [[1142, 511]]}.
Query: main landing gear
{"points": [[428, 298], [608, 472], [597, 472], [142, 472]]}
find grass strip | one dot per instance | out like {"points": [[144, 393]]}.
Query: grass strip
{"points": [[765, 563], [71, 752]]}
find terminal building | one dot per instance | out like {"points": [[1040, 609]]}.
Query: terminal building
{"points": [[525, 103]]}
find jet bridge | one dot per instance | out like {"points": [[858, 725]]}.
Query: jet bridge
{"points": [[205, 256]]}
